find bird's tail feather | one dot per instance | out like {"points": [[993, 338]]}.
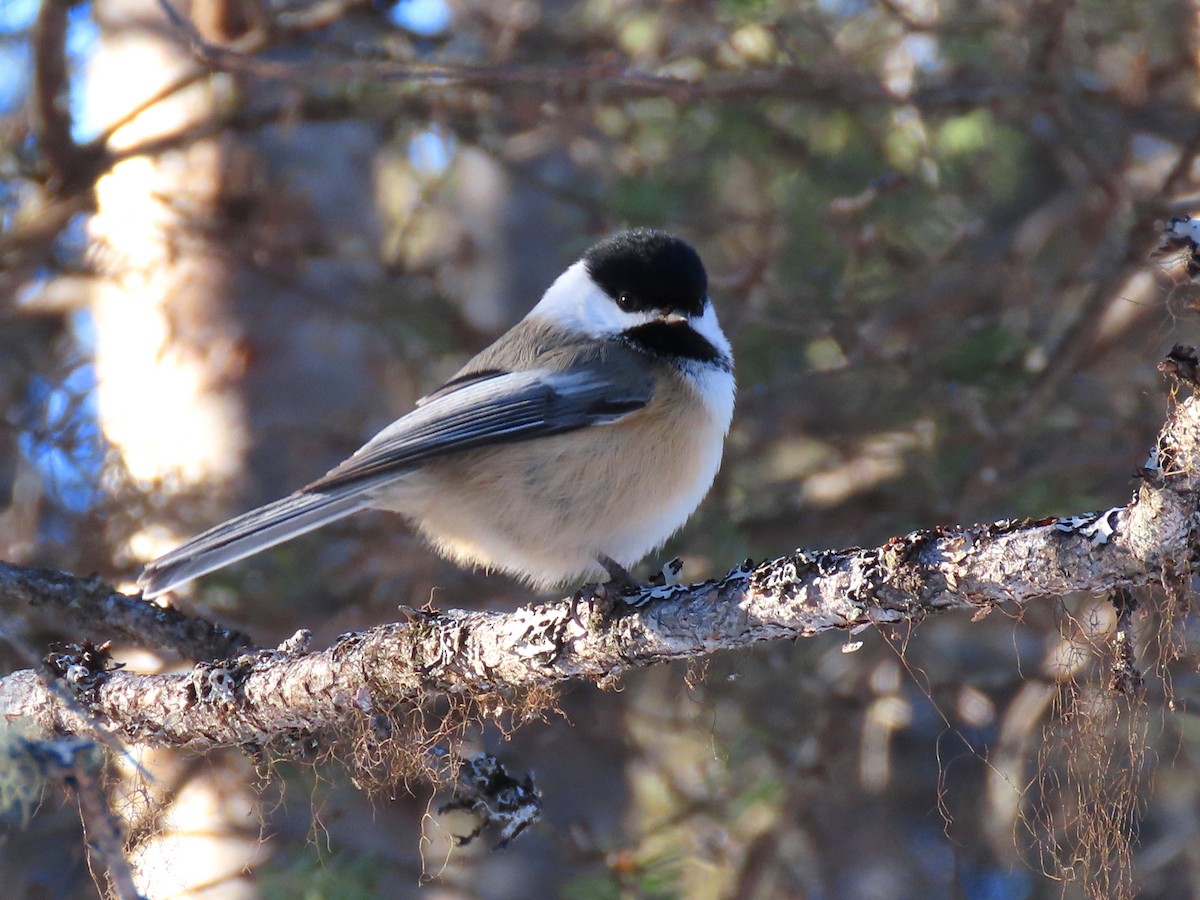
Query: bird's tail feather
{"points": [[246, 535]]}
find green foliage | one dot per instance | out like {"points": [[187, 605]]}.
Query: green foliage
{"points": [[336, 876], [982, 355], [591, 887], [640, 201], [656, 878]]}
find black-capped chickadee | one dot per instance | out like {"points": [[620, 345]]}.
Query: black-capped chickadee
{"points": [[578, 442]]}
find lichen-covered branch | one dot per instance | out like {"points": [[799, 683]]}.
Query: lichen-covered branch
{"points": [[256, 698]]}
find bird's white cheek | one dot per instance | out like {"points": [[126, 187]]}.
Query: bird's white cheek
{"points": [[716, 389], [575, 303], [707, 327]]}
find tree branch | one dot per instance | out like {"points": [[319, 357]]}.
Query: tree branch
{"points": [[72, 167], [608, 73], [93, 604], [256, 698], [52, 119]]}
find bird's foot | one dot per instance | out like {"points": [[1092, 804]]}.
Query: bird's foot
{"points": [[621, 589], [620, 581]]}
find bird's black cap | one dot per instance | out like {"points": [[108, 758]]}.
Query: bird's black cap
{"points": [[644, 270]]}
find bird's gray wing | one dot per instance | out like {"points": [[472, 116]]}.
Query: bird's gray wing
{"points": [[496, 408], [470, 412]]}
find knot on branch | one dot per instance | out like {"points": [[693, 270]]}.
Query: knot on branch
{"points": [[82, 667], [215, 684], [1181, 365]]}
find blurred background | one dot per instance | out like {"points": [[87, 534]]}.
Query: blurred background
{"points": [[928, 226]]}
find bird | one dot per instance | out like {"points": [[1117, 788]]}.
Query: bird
{"points": [[573, 446]]}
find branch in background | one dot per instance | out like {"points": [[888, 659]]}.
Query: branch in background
{"points": [[613, 76], [257, 699], [74, 763], [609, 73], [52, 120], [72, 167], [75, 167], [1107, 273], [97, 607], [1066, 357]]}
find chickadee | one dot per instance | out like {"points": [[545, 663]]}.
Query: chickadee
{"points": [[577, 443]]}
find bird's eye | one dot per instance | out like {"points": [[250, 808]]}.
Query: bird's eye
{"points": [[625, 301]]}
